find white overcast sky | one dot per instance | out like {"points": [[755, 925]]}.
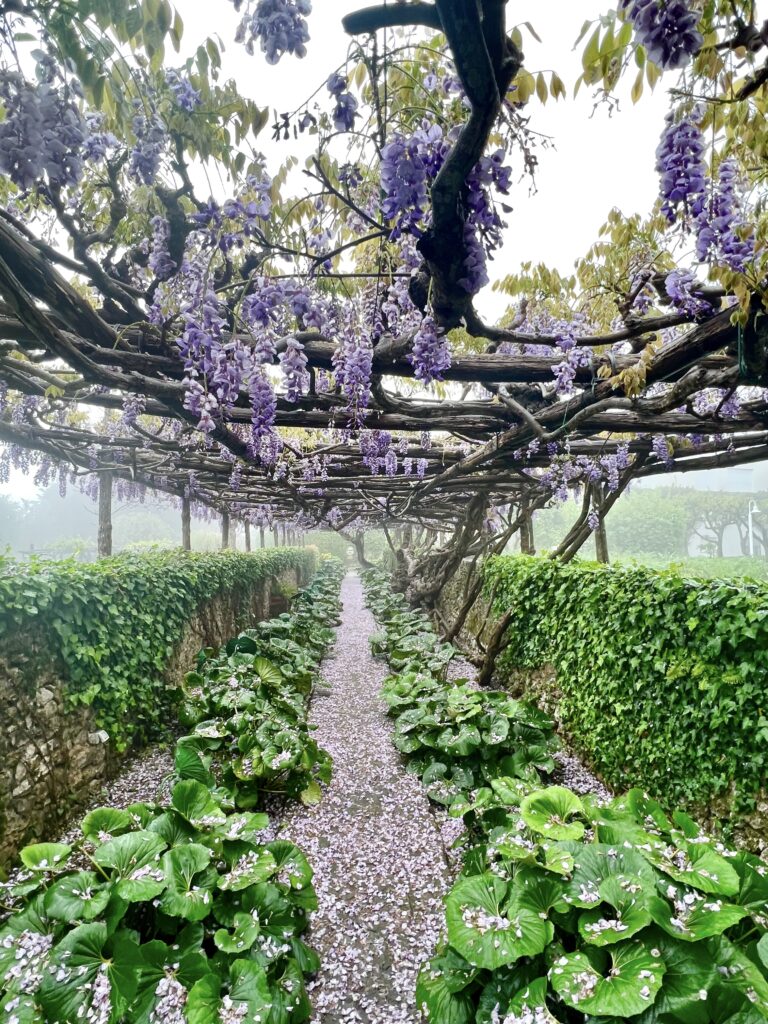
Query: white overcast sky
{"points": [[596, 162]]}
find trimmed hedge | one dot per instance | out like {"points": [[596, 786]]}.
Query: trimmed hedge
{"points": [[661, 678], [113, 625]]}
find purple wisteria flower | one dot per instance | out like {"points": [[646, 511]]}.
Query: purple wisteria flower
{"points": [[431, 355], [678, 285], [184, 93], [160, 261], [293, 363], [352, 364], [723, 235], [263, 405], [151, 140], [279, 26], [42, 133], [345, 111], [668, 29], [681, 165]]}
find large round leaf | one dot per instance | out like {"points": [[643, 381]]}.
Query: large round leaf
{"points": [[626, 989], [181, 966], [134, 858], [690, 915], [550, 812], [78, 897], [103, 822], [193, 801], [530, 1004], [629, 914], [189, 894], [690, 972], [86, 961], [482, 933], [699, 866], [248, 990], [437, 999], [593, 864], [45, 856], [253, 867]]}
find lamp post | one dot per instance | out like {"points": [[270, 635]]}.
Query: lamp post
{"points": [[752, 510]]}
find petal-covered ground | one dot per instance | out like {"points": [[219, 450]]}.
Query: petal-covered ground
{"points": [[375, 845], [381, 854]]}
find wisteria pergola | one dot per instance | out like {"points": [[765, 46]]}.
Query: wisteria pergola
{"points": [[87, 326]]}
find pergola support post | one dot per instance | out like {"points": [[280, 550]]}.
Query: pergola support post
{"points": [[104, 541], [186, 523]]}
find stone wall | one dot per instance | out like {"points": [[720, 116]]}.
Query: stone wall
{"points": [[52, 757]]}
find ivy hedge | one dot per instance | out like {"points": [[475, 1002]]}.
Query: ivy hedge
{"points": [[567, 908], [661, 679], [112, 626]]}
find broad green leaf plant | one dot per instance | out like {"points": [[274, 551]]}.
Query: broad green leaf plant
{"points": [[181, 911], [567, 909]]}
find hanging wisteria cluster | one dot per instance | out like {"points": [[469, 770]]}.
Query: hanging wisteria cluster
{"points": [[409, 166], [668, 29], [278, 26], [713, 209], [43, 132]]}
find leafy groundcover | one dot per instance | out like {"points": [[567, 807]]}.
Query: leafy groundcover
{"points": [[661, 678], [180, 912], [112, 626], [566, 909]]}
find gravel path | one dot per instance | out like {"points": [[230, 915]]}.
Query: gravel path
{"points": [[380, 867]]}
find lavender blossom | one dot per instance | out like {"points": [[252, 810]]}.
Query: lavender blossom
{"points": [[668, 29], [430, 356], [279, 26]]}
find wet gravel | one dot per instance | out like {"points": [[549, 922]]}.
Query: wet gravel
{"points": [[380, 864]]}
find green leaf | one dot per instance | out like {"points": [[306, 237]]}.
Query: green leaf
{"points": [[254, 866], [443, 1004], [531, 1004], [689, 975], [104, 821], [691, 916], [189, 765], [189, 894], [627, 988], [194, 802], [244, 827], [81, 958], [77, 897], [628, 915], [135, 859], [248, 990], [482, 933], [45, 856], [241, 938], [698, 866], [311, 794], [549, 812]]}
